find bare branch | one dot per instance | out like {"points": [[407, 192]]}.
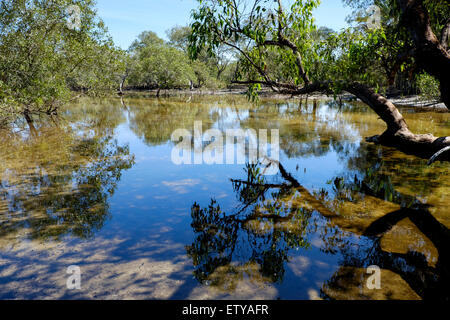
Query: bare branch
{"points": [[258, 68]]}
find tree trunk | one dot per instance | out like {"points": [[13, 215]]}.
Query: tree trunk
{"points": [[445, 92], [121, 85], [397, 133], [30, 123]]}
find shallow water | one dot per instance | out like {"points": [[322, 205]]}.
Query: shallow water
{"points": [[96, 188]]}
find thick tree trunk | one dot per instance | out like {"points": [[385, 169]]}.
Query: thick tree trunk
{"points": [[398, 134], [430, 54], [382, 106], [445, 92]]}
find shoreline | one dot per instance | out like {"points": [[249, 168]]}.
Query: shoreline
{"points": [[413, 101]]}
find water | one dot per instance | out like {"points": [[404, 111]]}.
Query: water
{"points": [[96, 188]]}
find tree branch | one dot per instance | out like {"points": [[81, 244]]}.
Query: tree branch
{"points": [[285, 42], [258, 68]]}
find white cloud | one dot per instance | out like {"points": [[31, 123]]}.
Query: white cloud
{"points": [[180, 186]]}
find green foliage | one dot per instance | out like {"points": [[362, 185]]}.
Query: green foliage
{"points": [[146, 39], [211, 67], [179, 37], [391, 47], [350, 56], [245, 28], [428, 87], [158, 64], [439, 12], [42, 60], [270, 38]]}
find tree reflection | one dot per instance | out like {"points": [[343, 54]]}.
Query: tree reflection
{"points": [[261, 232], [275, 218], [428, 281], [306, 129], [58, 182], [155, 121]]}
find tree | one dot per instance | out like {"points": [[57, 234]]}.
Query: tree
{"points": [[256, 30], [155, 64], [214, 64], [396, 51], [179, 37], [432, 54], [146, 39], [43, 58]]}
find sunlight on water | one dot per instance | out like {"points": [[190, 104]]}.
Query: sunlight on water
{"points": [[97, 188]]}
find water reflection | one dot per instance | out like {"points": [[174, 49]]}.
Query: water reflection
{"points": [[270, 224], [262, 232], [426, 267], [337, 206], [275, 218], [57, 182], [154, 121]]}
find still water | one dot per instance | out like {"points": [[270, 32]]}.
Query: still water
{"points": [[96, 188]]}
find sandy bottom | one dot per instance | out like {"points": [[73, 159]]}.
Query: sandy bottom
{"points": [[39, 271]]}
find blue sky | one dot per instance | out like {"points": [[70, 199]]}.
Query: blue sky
{"points": [[127, 19]]}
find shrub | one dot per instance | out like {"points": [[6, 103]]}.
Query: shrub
{"points": [[428, 87]]}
